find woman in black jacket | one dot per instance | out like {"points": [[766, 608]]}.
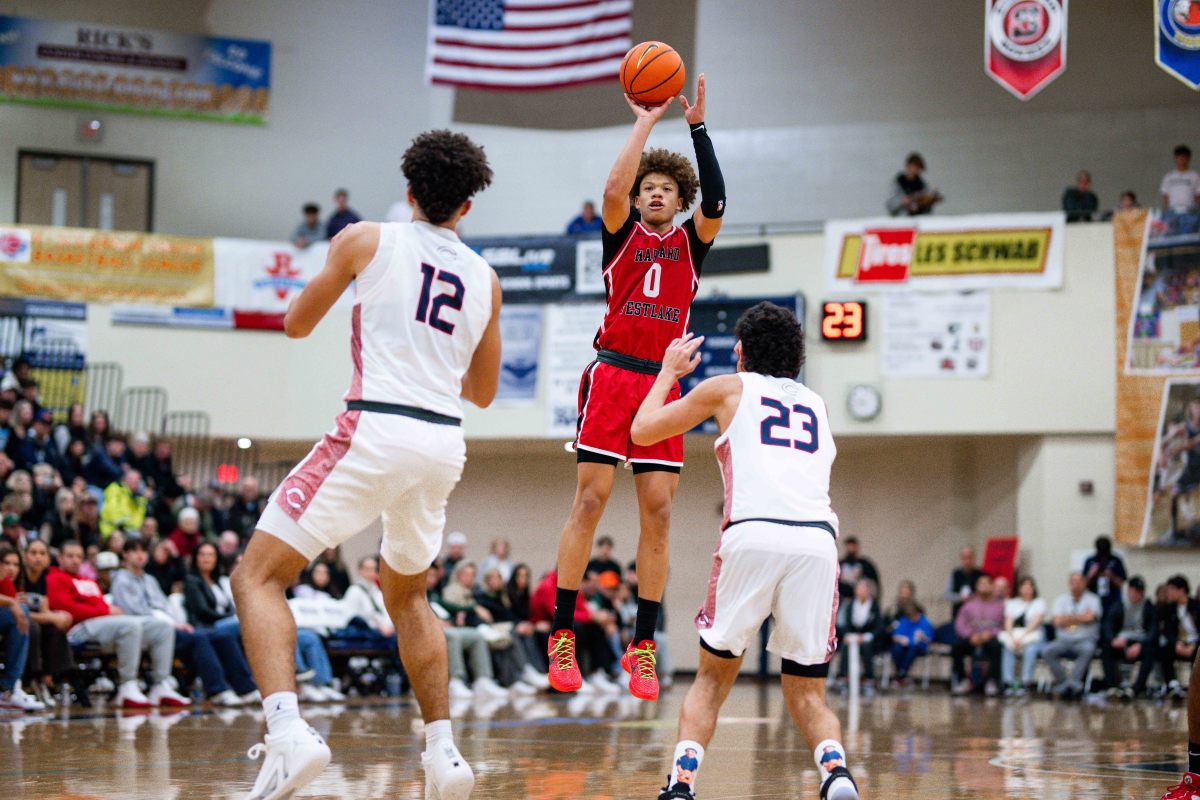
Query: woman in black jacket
{"points": [[208, 603]]}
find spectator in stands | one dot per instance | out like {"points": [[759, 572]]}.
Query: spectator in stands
{"points": [[364, 598], [855, 567], [462, 644], [905, 592], [243, 515], [495, 597], [1128, 201], [15, 630], [1105, 574], [978, 625], [87, 520], [99, 430], [39, 446], [167, 567], [602, 561], [962, 580], [596, 658], [497, 558], [911, 196], [187, 536], [214, 655], [456, 551], [1079, 201], [74, 464], [50, 657], [106, 564], [94, 621], [20, 422], [102, 464], [912, 633], [20, 371], [514, 661], [229, 549], [161, 467], [339, 579], [14, 533], [342, 215], [309, 229], [860, 622], [315, 583], [124, 504], [137, 456], [60, 523], [1022, 636], [1181, 186], [588, 221], [6, 431], [1135, 626], [74, 429], [1076, 617], [1179, 627]]}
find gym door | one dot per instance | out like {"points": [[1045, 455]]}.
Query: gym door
{"points": [[84, 191]]}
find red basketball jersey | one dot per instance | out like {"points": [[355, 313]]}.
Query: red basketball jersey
{"points": [[650, 280]]}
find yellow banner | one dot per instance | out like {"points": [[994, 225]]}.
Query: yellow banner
{"points": [[106, 266], [1015, 251]]}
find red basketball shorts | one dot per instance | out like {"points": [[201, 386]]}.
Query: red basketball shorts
{"points": [[609, 398]]}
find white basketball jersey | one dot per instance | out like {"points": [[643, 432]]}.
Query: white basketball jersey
{"points": [[421, 307], [777, 453]]}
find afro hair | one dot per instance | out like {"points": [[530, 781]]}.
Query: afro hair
{"points": [[444, 170]]}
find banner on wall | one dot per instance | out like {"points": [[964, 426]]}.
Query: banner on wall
{"points": [[262, 276], [570, 331], [936, 335], [1177, 39], [118, 68], [1164, 323], [105, 266], [542, 269], [521, 343], [1025, 43], [1173, 486], [986, 251]]}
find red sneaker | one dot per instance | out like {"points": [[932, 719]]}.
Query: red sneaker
{"points": [[564, 669], [1187, 789], [639, 663]]}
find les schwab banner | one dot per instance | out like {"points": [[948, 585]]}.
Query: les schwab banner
{"points": [[1022, 251]]}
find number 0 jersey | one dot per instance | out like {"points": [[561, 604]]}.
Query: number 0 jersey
{"points": [[650, 280], [421, 308], [776, 454]]}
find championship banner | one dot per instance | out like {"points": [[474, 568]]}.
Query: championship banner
{"points": [[94, 266], [117, 68], [1025, 43], [1177, 39], [987, 251]]}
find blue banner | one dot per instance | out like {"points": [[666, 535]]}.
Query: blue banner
{"points": [[521, 337], [118, 68], [1177, 48]]}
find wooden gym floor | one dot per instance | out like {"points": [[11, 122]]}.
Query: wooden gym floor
{"points": [[920, 745]]}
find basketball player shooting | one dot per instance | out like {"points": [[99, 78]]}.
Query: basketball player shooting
{"points": [[651, 274], [777, 552], [425, 334]]}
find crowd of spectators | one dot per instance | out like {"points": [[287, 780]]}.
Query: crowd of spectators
{"points": [[310, 230]]}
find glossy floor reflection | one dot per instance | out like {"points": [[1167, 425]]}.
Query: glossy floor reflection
{"points": [[921, 745]]}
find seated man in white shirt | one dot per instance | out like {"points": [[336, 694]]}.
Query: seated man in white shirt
{"points": [[1076, 616]]}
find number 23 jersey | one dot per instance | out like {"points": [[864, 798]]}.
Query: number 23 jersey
{"points": [[650, 280], [777, 454]]}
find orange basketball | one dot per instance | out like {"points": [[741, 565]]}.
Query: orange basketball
{"points": [[652, 73]]}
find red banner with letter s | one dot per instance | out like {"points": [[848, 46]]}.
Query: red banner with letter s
{"points": [[1025, 43]]}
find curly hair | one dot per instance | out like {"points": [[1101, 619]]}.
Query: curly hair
{"points": [[772, 341], [674, 166], [444, 170]]}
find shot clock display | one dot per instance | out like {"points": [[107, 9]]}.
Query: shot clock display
{"points": [[844, 321]]}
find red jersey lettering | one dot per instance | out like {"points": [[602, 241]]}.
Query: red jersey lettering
{"points": [[650, 280]]}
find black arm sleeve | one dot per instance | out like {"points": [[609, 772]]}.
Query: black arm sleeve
{"points": [[712, 182]]}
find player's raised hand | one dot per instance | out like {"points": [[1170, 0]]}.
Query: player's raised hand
{"points": [[682, 356], [694, 114], [652, 113]]}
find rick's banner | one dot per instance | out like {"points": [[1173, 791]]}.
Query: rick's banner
{"points": [[1025, 43]]}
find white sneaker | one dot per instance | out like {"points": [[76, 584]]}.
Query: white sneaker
{"points": [[488, 688], [19, 701], [603, 683], [448, 776], [538, 680], [129, 695], [102, 685], [332, 695], [586, 687], [841, 789], [459, 690], [294, 758], [163, 695], [311, 694], [226, 699], [250, 698], [521, 689]]}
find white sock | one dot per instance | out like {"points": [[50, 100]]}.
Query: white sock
{"points": [[282, 709], [436, 732], [686, 764], [829, 754]]}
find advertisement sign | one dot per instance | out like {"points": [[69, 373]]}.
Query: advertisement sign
{"points": [[936, 335], [106, 266], [1025, 43], [531, 269], [984, 251], [1177, 39], [118, 68], [570, 331], [255, 275], [521, 342]]}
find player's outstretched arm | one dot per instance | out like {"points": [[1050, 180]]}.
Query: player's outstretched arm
{"points": [[712, 183], [349, 253], [655, 421], [615, 209], [483, 376]]}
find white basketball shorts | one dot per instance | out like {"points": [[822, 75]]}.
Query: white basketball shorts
{"points": [[370, 465], [767, 568]]}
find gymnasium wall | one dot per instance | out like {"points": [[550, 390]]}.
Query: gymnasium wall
{"points": [[813, 106]]}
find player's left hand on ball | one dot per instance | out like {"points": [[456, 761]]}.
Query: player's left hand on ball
{"points": [[694, 114], [682, 356]]}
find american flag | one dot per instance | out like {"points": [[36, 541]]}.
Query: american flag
{"points": [[527, 44]]}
